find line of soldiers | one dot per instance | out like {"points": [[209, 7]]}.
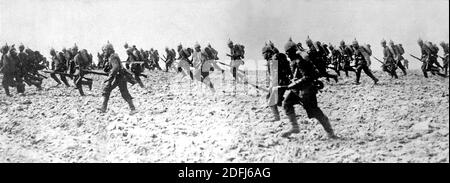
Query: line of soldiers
{"points": [[21, 67], [429, 55], [73, 63]]}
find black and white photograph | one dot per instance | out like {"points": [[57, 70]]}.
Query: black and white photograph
{"points": [[224, 81]]}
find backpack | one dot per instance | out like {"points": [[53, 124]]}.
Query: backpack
{"points": [[239, 50]]}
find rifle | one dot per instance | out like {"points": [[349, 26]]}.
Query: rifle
{"points": [[56, 72], [230, 66], [95, 72], [416, 57], [379, 60], [134, 62]]}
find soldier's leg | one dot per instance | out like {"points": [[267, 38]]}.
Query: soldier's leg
{"points": [[53, 76], [400, 65], [288, 106], [64, 80], [106, 92], [394, 72], [138, 79], [313, 111], [424, 70], [207, 81], [5, 83], [126, 95], [370, 74], [20, 85], [358, 74]]}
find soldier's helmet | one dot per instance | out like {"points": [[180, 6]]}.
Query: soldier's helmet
{"points": [[442, 43], [167, 48], [5, 48], [355, 42], [420, 41], [130, 51], [331, 47], [21, 47], [179, 47], [230, 43], [125, 45], [271, 44], [196, 45], [52, 51], [64, 49], [109, 47], [391, 42], [289, 45], [75, 47], [309, 41], [342, 43], [209, 45], [383, 42], [266, 49], [318, 43]]}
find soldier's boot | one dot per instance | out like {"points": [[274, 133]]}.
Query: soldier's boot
{"points": [[104, 105], [211, 86], [294, 126], [335, 77], [89, 83], [56, 79], [7, 91], [21, 88], [80, 89], [191, 75], [64, 80], [132, 108], [425, 74], [325, 122], [276, 114]]}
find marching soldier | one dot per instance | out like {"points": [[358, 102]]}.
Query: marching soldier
{"points": [[135, 68], [389, 65], [59, 65], [116, 78], [8, 68], [346, 58], [362, 61], [303, 90], [82, 61], [280, 76], [236, 54]]}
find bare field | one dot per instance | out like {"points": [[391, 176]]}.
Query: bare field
{"points": [[404, 120]]}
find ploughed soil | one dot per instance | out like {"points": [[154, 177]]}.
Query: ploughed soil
{"points": [[403, 120]]}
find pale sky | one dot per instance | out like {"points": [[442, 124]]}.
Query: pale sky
{"points": [[42, 24]]}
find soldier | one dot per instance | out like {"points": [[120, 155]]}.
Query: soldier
{"points": [[82, 62], [59, 65], [346, 58], [30, 64], [184, 63], [206, 65], [362, 60], [280, 76], [336, 60], [389, 65], [445, 58], [18, 75], [155, 56], [303, 90], [170, 58], [427, 59], [115, 79], [316, 55], [8, 68], [135, 68], [398, 55], [237, 54]]}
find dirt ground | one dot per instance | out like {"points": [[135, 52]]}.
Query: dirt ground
{"points": [[404, 120]]}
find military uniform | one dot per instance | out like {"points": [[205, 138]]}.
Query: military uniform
{"points": [[389, 65], [445, 58], [236, 55], [170, 57], [280, 76], [303, 91], [361, 61], [398, 57], [8, 68], [428, 59], [135, 68], [346, 58], [317, 56], [184, 63], [82, 62], [116, 78]]}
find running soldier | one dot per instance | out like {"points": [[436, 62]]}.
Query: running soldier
{"points": [[398, 56], [303, 90], [346, 58], [82, 61], [8, 68], [237, 53], [389, 65], [445, 58], [184, 64], [135, 68], [115, 79], [362, 61], [58, 65]]}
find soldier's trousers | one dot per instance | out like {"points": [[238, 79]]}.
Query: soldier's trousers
{"points": [[366, 70], [309, 103], [137, 76], [120, 82], [402, 67], [8, 80], [79, 81], [63, 79]]}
